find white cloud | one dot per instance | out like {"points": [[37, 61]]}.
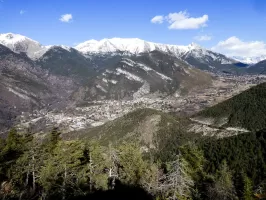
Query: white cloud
{"points": [[22, 12], [233, 46], [157, 19], [66, 18], [182, 20], [203, 37]]}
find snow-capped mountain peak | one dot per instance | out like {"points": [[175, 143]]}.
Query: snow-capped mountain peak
{"points": [[133, 45], [19, 43], [35, 50], [250, 60], [11, 38]]}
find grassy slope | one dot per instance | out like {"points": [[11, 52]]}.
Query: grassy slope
{"points": [[247, 110]]}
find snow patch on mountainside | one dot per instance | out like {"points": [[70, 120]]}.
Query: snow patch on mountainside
{"points": [[113, 81], [164, 77], [23, 96], [101, 88], [128, 62], [145, 67], [237, 129], [65, 47], [105, 80], [128, 75], [39, 53], [109, 81]]}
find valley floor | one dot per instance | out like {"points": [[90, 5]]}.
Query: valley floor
{"points": [[96, 113]]}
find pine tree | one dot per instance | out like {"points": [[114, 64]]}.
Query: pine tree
{"points": [[248, 192], [53, 139], [132, 165], [61, 169], [30, 163], [223, 187], [11, 151], [14, 143], [95, 164]]}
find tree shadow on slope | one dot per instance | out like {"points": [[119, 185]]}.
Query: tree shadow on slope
{"points": [[120, 192]]}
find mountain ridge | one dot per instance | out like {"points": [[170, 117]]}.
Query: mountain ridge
{"points": [[22, 44], [193, 53], [136, 46], [132, 45], [250, 60], [35, 50]]}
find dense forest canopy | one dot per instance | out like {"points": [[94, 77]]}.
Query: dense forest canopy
{"points": [[246, 110], [52, 168]]}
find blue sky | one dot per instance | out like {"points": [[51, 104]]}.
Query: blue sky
{"points": [[39, 20]]}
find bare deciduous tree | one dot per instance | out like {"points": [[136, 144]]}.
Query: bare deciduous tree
{"points": [[177, 182]]}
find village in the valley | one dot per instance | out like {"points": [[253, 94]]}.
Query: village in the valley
{"points": [[99, 112]]}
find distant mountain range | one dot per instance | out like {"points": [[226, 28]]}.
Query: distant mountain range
{"points": [[34, 76], [193, 53], [35, 50], [121, 68], [250, 60]]}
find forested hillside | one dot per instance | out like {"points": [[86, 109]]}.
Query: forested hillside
{"points": [[246, 110], [52, 168], [245, 157], [152, 128]]}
